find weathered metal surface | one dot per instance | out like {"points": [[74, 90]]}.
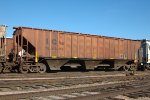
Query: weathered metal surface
{"points": [[88, 47], [100, 47], [106, 48], [9, 45], [60, 44], [94, 47], [81, 46], [68, 46], [74, 46]]}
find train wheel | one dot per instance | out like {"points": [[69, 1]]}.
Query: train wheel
{"points": [[133, 68], [126, 68], [143, 68], [33, 69], [42, 68], [24, 69], [147, 67]]}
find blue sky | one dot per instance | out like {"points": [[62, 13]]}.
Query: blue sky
{"points": [[115, 18]]}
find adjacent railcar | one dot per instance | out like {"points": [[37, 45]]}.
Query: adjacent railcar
{"points": [[9, 46], [60, 49]]}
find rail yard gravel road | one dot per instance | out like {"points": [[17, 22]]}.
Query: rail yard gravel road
{"points": [[92, 85]]}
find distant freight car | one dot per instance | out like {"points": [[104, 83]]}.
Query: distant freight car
{"points": [[60, 49], [9, 46]]}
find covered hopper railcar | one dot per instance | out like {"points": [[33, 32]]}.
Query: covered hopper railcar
{"points": [[42, 50]]}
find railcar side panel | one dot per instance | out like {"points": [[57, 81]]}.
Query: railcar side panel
{"points": [[9, 45], [40, 43], [94, 47], [68, 47], [106, 48], [132, 49], [100, 48], [29, 35], [54, 44], [88, 47], [125, 43], [129, 49], [47, 43], [61, 50], [116, 43], [74, 41], [112, 49], [50, 43], [81, 46]]}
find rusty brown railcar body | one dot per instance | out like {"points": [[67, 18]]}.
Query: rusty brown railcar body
{"points": [[59, 48], [9, 45]]}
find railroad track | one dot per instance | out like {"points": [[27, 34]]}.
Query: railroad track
{"points": [[80, 92], [72, 88], [68, 74]]}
